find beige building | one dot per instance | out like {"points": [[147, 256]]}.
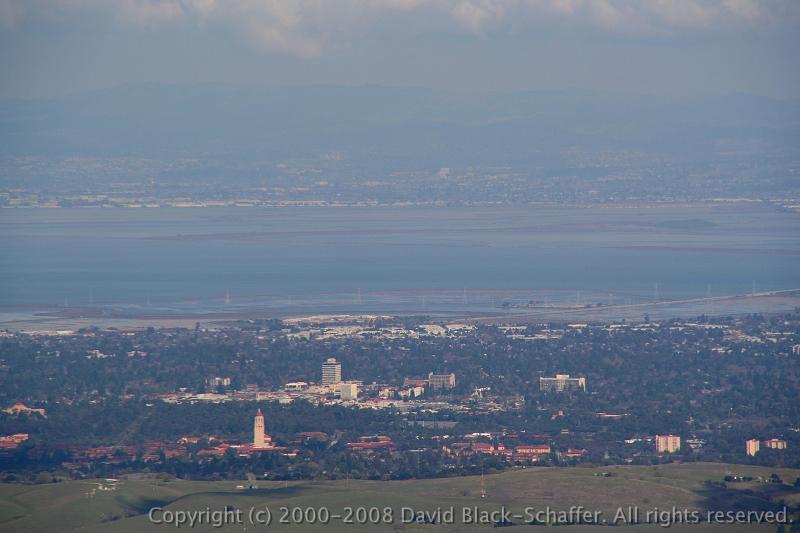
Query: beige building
{"points": [[562, 383], [668, 443], [415, 392], [348, 391], [752, 446], [775, 444], [441, 381], [331, 372]]}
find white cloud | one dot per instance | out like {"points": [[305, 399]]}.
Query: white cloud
{"points": [[606, 14], [474, 15], [281, 26], [306, 28]]}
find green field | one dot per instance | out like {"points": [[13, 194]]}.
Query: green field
{"points": [[79, 505]]}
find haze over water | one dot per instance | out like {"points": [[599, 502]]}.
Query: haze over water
{"points": [[280, 256]]}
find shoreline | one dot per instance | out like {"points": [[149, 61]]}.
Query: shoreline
{"points": [[51, 318]]}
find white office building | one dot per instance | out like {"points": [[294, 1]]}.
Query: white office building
{"points": [[331, 372]]}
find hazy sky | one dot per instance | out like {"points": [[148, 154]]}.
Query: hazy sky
{"points": [[53, 47]]}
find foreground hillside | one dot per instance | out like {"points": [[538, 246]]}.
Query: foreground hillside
{"points": [[80, 505]]}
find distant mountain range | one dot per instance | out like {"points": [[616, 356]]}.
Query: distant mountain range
{"points": [[229, 122]]}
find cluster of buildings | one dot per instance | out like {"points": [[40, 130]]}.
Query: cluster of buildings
{"points": [[12, 442], [348, 390], [155, 451], [261, 442], [512, 447], [20, 408], [532, 453], [672, 444], [371, 443], [437, 382], [148, 452], [753, 446], [330, 389], [332, 378], [324, 327], [342, 326]]}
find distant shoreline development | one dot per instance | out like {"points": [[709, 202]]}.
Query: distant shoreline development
{"points": [[58, 318], [766, 302]]}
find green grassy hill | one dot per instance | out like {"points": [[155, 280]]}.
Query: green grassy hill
{"points": [[82, 505]]}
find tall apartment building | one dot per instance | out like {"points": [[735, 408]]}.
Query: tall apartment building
{"points": [[668, 443], [562, 383], [752, 446], [441, 381], [331, 372]]}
